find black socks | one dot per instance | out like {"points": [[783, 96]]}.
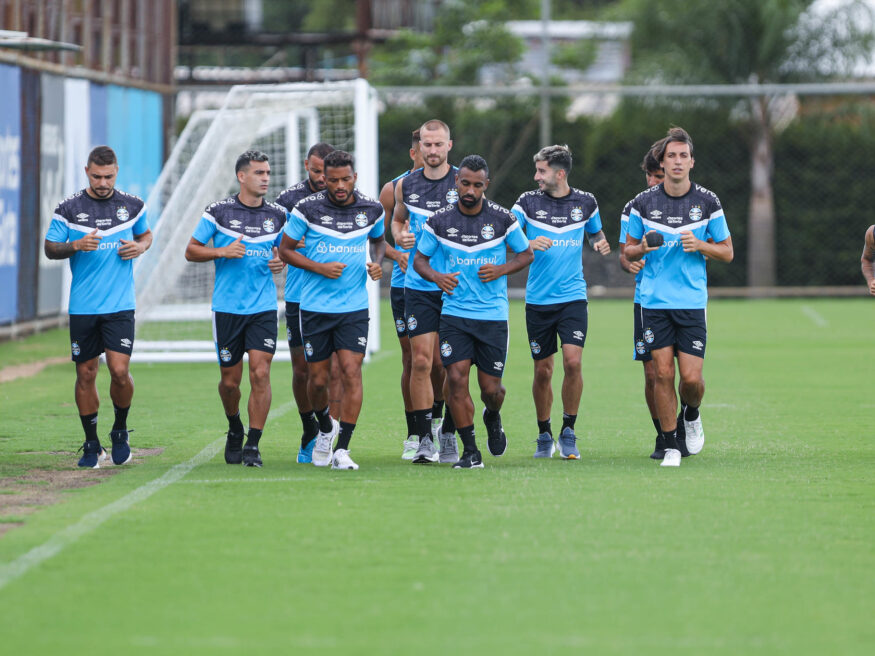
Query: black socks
{"points": [[234, 424], [467, 435], [89, 425], [325, 423], [544, 427], [345, 435], [568, 421], [121, 418], [254, 436]]}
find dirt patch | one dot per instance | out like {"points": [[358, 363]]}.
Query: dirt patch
{"points": [[16, 371], [26, 494]]}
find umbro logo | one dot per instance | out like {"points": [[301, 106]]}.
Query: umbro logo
{"points": [[697, 345], [578, 335], [540, 214], [413, 198], [326, 219], [498, 365], [126, 342], [82, 217], [234, 223], [655, 214], [363, 341], [269, 343], [452, 232]]}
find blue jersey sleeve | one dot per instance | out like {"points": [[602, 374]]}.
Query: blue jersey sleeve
{"points": [[58, 231], [718, 230], [516, 239], [204, 230], [624, 222], [636, 225], [594, 225], [296, 226], [379, 227], [141, 225], [519, 213], [428, 242]]}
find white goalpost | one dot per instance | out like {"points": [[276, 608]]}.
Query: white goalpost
{"points": [[283, 120]]}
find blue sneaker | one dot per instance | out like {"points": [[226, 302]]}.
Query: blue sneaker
{"points": [[121, 449], [546, 446], [305, 453], [92, 454], [568, 444]]}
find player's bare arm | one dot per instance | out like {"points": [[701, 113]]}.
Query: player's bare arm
{"points": [[401, 220], [132, 249], [599, 243], [490, 272], [56, 250], [290, 255], [626, 265], [198, 252], [446, 281], [867, 260], [721, 251], [637, 248], [378, 251]]}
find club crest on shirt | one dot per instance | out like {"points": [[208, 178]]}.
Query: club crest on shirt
{"points": [[452, 196], [308, 349], [695, 213], [74, 348], [400, 325], [361, 219], [122, 214], [577, 214], [225, 355], [648, 336], [268, 225], [640, 348], [487, 231], [536, 348], [411, 323], [446, 349]]}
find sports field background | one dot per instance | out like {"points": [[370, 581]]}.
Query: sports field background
{"points": [[761, 544]]}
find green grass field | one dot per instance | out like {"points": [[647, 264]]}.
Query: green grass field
{"points": [[761, 544]]}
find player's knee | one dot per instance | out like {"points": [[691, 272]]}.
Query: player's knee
{"points": [[421, 363], [543, 370], [572, 366], [120, 376], [663, 373], [86, 375]]}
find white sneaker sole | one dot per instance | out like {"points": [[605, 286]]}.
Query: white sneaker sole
{"points": [[672, 458], [319, 462]]}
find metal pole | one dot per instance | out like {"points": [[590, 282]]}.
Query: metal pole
{"points": [[546, 127]]}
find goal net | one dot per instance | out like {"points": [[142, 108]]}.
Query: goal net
{"points": [[283, 120]]}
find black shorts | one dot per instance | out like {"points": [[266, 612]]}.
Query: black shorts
{"points": [[641, 350], [686, 330], [92, 334], [422, 310], [544, 322], [482, 342], [326, 333], [234, 334], [293, 325], [396, 299]]}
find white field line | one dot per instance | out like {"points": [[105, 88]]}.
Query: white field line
{"points": [[67, 536], [816, 317]]}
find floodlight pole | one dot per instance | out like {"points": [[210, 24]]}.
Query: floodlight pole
{"points": [[546, 127]]}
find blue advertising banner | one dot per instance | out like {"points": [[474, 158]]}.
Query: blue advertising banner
{"points": [[10, 189], [135, 133], [99, 136], [52, 188]]}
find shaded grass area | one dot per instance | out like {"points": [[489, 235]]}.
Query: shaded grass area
{"points": [[761, 544]]}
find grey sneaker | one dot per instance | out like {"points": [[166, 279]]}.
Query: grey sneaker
{"points": [[568, 444], [546, 446], [426, 452], [449, 447]]}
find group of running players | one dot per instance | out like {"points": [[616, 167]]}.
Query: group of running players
{"points": [[448, 294]]}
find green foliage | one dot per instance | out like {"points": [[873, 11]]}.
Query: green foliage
{"points": [[579, 55]]}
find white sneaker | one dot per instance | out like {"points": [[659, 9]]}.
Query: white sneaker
{"points": [[672, 458], [411, 444], [695, 435], [324, 441], [341, 460]]}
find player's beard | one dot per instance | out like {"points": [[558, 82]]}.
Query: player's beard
{"points": [[102, 192], [469, 201]]}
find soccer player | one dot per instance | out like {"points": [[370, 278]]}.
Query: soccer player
{"points": [[471, 238], [867, 261], [399, 255], [556, 218], [245, 231], [313, 183], [653, 175], [101, 230], [337, 226], [674, 290], [417, 197]]}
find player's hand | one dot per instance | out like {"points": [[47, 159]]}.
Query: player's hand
{"points": [[234, 250], [407, 239], [489, 272], [541, 243], [602, 246], [690, 242], [332, 270], [129, 249], [275, 264], [647, 248], [375, 271], [447, 281], [402, 261], [872, 287], [301, 244], [89, 242], [637, 265]]}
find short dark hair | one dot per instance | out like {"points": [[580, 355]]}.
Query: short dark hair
{"points": [[102, 156], [338, 159], [650, 163], [557, 157], [320, 149], [675, 135], [249, 156], [474, 163], [414, 138]]}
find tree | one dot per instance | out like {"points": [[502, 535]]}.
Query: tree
{"points": [[750, 42]]}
